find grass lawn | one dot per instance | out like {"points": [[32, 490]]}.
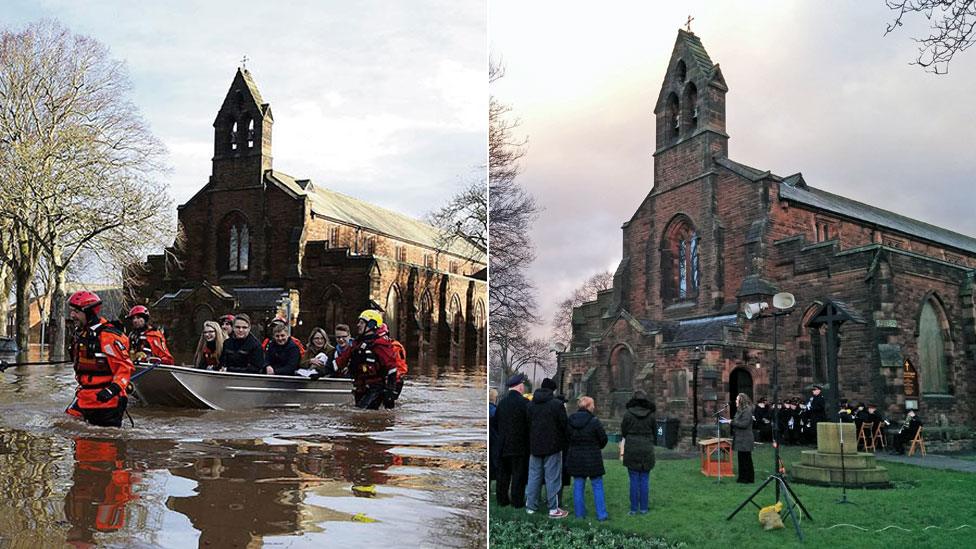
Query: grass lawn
{"points": [[688, 508]]}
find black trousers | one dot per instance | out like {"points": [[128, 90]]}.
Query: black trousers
{"points": [[513, 475], [747, 474], [104, 417]]}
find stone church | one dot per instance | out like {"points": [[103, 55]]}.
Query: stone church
{"points": [[259, 241], [714, 234]]}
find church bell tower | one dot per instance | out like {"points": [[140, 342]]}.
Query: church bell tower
{"points": [[242, 135]]}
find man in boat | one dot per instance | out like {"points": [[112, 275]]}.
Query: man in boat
{"points": [[281, 356], [243, 352], [371, 362], [278, 321], [100, 352], [145, 340]]}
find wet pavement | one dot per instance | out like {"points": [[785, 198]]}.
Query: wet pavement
{"points": [[331, 475]]}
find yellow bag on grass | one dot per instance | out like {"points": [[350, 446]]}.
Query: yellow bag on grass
{"points": [[769, 516]]}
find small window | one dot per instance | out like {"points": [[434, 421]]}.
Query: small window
{"points": [[250, 134], [825, 231], [454, 267], [371, 245], [429, 261], [233, 137], [334, 237], [401, 254]]}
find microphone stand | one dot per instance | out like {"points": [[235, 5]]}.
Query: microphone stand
{"points": [[843, 470]]}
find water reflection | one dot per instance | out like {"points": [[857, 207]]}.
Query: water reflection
{"points": [[102, 485], [412, 477]]}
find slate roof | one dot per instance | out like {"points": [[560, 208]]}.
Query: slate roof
{"points": [[858, 210], [700, 329], [257, 298], [347, 209], [794, 188], [698, 53]]}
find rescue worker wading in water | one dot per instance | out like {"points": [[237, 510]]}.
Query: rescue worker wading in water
{"points": [[100, 352], [145, 341], [371, 362]]}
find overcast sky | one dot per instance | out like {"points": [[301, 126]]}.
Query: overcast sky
{"points": [[814, 87], [381, 100]]}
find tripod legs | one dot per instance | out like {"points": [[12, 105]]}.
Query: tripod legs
{"points": [[789, 497]]}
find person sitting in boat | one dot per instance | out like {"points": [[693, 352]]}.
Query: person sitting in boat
{"points": [[371, 361], [227, 326], [318, 353], [343, 340], [243, 352], [282, 356], [145, 341], [100, 352], [278, 321], [210, 346]]}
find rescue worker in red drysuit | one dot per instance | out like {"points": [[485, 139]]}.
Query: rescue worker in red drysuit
{"points": [[371, 363], [145, 341], [102, 487], [100, 352]]}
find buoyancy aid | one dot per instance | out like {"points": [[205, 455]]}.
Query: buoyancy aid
{"points": [[149, 343], [101, 357]]}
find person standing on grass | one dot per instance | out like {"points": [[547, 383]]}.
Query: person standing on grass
{"points": [[513, 444], [585, 459], [743, 439], [547, 440], [637, 449]]}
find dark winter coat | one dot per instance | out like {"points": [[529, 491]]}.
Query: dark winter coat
{"points": [[638, 430], [547, 424], [243, 355], [283, 358], [742, 437], [494, 454], [513, 425], [586, 439]]}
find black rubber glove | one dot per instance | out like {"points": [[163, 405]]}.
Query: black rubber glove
{"points": [[108, 393]]}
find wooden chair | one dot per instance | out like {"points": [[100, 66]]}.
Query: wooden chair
{"points": [[865, 437], [879, 439], [917, 442]]}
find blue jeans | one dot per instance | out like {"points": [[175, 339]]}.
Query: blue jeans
{"points": [[549, 469], [579, 501], [639, 487]]}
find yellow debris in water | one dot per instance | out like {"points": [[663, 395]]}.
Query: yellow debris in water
{"points": [[360, 517], [369, 489]]}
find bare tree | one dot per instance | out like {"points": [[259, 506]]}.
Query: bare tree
{"points": [[951, 24], [82, 161], [464, 217], [562, 320], [514, 351], [512, 211]]}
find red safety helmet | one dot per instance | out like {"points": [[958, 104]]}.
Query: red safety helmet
{"points": [[85, 301], [139, 310]]}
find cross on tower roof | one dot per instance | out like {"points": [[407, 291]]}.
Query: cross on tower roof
{"points": [[688, 23], [244, 61]]}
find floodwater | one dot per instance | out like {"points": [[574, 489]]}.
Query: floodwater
{"points": [[326, 476]]}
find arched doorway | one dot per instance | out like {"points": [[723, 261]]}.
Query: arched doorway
{"points": [[740, 381]]}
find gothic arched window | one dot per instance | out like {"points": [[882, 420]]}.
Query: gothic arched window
{"points": [[621, 368], [681, 72], [674, 116], [689, 101], [233, 136], [933, 370], [680, 275], [235, 244]]}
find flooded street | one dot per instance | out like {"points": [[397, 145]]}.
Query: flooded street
{"points": [[411, 477]]}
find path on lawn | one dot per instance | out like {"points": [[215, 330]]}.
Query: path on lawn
{"points": [[932, 461]]}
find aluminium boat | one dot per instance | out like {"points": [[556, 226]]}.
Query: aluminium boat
{"points": [[187, 387]]}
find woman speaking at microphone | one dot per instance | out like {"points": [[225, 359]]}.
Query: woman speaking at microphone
{"points": [[742, 438]]}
